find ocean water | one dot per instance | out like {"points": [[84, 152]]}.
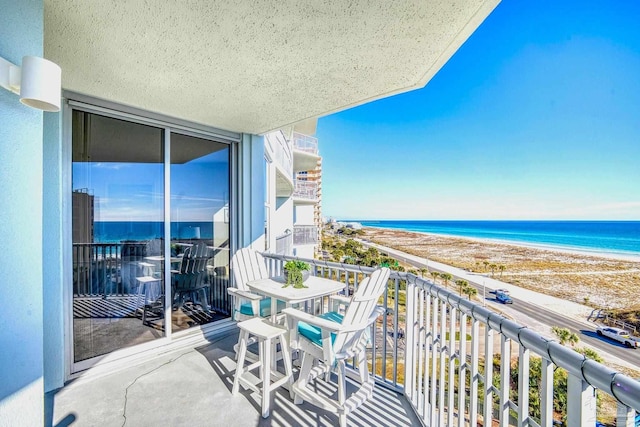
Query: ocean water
{"points": [[616, 237], [117, 231]]}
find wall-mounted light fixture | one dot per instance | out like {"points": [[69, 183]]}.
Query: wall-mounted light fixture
{"points": [[37, 82]]}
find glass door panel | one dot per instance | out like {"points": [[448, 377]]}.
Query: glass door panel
{"points": [[118, 229], [199, 231]]}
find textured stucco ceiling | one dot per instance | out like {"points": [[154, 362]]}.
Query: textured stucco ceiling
{"points": [[253, 66]]}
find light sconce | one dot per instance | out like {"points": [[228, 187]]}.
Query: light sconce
{"points": [[38, 82]]}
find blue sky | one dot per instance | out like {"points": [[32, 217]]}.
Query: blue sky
{"points": [[537, 116]]}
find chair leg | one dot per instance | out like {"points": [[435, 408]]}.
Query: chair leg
{"points": [[286, 359], [265, 355], [305, 371], [240, 365], [342, 391]]}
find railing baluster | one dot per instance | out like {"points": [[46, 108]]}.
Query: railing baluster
{"points": [[488, 376], [435, 382], [462, 372], [505, 377], [523, 386], [581, 402], [475, 355], [421, 335], [443, 361], [396, 330], [452, 365], [428, 339], [625, 416], [546, 394]]}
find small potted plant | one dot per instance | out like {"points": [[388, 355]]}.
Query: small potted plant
{"points": [[296, 272]]}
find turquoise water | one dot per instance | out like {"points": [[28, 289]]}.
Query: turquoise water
{"points": [[618, 237]]}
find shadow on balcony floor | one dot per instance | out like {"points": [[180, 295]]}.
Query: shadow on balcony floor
{"points": [[192, 387]]}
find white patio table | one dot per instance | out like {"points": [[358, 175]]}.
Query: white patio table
{"points": [[273, 287]]}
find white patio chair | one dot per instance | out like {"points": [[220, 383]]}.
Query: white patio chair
{"points": [[247, 265], [329, 340]]}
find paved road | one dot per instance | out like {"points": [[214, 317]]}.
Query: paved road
{"points": [[585, 330]]}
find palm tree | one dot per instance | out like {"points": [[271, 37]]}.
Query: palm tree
{"points": [[435, 276], [486, 264], [461, 284], [493, 267], [565, 336], [470, 291], [502, 268], [446, 277], [423, 271]]}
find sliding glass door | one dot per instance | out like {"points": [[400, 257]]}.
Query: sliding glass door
{"points": [[121, 218]]}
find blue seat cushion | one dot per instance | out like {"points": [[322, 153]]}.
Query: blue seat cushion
{"points": [[265, 307], [314, 333]]}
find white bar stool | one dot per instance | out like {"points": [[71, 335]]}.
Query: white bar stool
{"points": [[265, 332]]}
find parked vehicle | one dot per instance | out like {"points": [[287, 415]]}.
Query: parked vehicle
{"points": [[503, 298], [619, 335]]}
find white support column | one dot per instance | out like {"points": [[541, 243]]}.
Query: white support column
{"points": [[581, 403], [435, 382]]}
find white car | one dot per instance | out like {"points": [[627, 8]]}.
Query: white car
{"points": [[619, 335]]}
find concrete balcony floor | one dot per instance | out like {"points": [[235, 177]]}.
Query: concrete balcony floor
{"points": [[192, 387]]}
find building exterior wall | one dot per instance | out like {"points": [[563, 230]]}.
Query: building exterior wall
{"points": [[21, 175]]}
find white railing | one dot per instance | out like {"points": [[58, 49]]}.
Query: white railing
{"points": [[284, 243], [305, 143], [307, 190], [435, 347], [305, 235]]}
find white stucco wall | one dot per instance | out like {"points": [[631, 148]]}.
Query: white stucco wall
{"points": [[21, 176]]}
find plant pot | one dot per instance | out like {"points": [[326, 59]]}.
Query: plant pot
{"points": [[305, 275]]}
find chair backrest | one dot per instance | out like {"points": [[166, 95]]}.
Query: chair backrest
{"points": [[247, 265], [192, 267], [362, 305]]}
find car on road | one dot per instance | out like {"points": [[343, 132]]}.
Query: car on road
{"points": [[619, 335], [503, 298]]}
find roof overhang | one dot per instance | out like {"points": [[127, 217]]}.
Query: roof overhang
{"points": [[251, 66]]}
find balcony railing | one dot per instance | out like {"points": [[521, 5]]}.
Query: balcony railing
{"points": [[281, 150], [438, 349], [305, 235], [284, 243], [305, 143], [307, 190]]}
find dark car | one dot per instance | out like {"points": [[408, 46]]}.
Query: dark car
{"points": [[503, 298]]}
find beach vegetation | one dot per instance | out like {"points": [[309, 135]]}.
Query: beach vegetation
{"points": [[502, 268], [493, 268]]}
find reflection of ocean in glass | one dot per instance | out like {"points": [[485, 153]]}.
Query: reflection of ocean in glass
{"points": [[117, 231]]}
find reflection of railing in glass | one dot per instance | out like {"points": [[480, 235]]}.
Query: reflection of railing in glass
{"points": [[110, 269]]}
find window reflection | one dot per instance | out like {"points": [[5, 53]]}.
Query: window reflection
{"points": [[199, 230]]}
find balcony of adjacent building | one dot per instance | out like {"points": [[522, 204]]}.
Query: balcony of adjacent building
{"points": [[428, 353], [305, 192], [305, 235], [279, 150], [305, 152]]}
